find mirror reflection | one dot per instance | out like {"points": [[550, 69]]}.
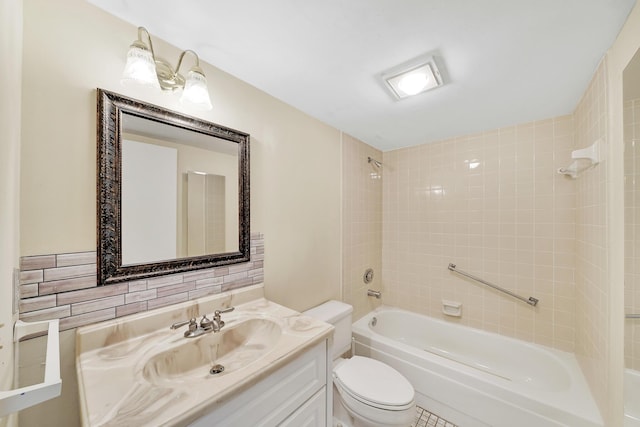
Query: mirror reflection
{"points": [[179, 192], [173, 191], [631, 88]]}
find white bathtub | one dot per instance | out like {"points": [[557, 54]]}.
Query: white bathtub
{"points": [[631, 400], [475, 378]]}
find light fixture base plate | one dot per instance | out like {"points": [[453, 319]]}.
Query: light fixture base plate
{"points": [[169, 80]]}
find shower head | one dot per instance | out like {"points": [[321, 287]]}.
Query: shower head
{"points": [[374, 161]]}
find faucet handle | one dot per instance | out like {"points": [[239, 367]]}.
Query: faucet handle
{"points": [[218, 323], [217, 313], [189, 322], [193, 325]]}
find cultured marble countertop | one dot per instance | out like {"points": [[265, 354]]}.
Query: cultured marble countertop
{"points": [[126, 371]]}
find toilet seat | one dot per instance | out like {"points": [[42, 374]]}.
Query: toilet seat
{"points": [[374, 383]]}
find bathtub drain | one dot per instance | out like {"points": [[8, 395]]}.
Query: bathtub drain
{"points": [[216, 369]]}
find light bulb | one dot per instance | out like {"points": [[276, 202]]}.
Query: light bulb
{"points": [[195, 90], [412, 84]]}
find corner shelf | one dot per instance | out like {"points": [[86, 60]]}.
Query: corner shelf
{"points": [[591, 154]]}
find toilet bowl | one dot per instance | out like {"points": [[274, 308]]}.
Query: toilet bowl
{"points": [[366, 392], [369, 393]]}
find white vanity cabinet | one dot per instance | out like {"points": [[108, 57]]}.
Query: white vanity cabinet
{"points": [[297, 394]]}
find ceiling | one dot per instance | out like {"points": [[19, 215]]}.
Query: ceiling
{"points": [[503, 61], [136, 125]]}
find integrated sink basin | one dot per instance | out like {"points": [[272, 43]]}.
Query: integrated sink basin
{"points": [[136, 371], [191, 359]]}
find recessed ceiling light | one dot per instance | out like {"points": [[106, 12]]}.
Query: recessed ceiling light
{"points": [[413, 78]]}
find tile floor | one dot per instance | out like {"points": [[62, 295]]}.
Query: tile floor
{"points": [[425, 418]]}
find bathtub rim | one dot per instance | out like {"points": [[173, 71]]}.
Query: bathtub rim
{"points": [[632, 415], [580, 405]]}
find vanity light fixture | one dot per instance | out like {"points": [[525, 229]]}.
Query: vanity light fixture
{"points": [[144, 67], [413, 77]]}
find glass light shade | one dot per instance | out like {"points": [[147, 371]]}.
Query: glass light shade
{"points": [[195, 90], [140, 67], [414, 78], [412, 84]]}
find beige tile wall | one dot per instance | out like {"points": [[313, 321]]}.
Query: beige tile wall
{"points": [[632, 234], [592, 246], [361, 224], [493, 204], [64, 286]]}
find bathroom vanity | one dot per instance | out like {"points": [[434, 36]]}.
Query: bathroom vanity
{"points": [[267, 366]]}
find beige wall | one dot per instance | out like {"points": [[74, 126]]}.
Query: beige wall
{"points": [[10, 70], [493, 204], [632, 228], [295, 161], [618, 57], [295, 180], [361, 224]]}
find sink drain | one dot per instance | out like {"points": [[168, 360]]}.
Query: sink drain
{"points": [[216, 369]]}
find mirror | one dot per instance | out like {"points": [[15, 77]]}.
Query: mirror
{"points": [[173, 192], [631, 108]]}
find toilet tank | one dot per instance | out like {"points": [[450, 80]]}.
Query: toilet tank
{"points": [[338, 314]]}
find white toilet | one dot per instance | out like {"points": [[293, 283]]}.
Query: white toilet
{"points": [[366, 392]]}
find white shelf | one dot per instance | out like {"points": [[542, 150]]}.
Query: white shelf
{"points": [[590, 154], [21, 398]]}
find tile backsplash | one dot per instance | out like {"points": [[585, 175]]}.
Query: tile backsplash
{"points": [[64, 286]]}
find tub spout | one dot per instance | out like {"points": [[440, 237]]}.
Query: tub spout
{"points": [[373, 293]]}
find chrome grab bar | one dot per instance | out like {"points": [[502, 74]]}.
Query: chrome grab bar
{"points": [[632, 316], [531, 300]]}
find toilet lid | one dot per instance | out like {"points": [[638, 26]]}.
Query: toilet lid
{"points": [[373, 382]]}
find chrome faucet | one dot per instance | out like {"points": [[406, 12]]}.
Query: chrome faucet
{"points": [[217, 322], [372, 293], [195, 329], [192, 331], [205, 325]]}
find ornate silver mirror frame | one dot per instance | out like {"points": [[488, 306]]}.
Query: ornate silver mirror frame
{"points": [[111, 108]]}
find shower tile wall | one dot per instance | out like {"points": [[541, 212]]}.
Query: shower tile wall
{"points": [[493, 204], [592, 268], [632, 232], [362, 224]]}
